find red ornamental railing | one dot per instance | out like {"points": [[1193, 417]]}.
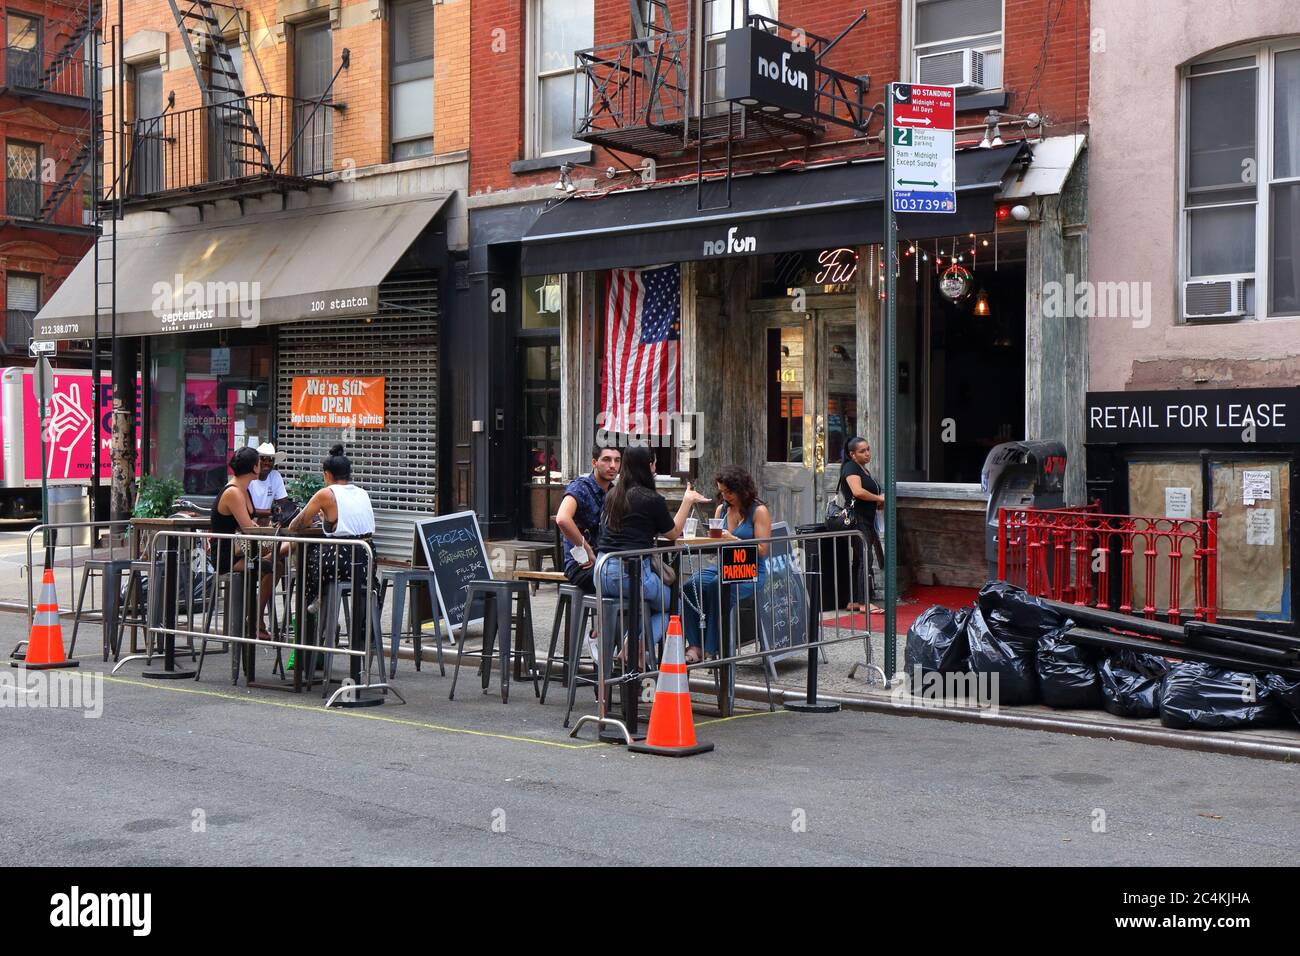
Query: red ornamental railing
{"points": [[1081, 556]]}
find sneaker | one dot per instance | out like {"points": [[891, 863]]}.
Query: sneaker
{"points": [[593, 651]]}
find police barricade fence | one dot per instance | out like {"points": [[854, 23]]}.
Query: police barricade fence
{"points": [[67, 546], [232, 588], [742, 601]]}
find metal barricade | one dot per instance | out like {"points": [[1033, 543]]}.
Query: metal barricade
{"points": [[780, 614], [271, 590], [109, 541]]}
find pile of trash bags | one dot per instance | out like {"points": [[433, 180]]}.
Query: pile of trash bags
{"points": [[1017, 640]]}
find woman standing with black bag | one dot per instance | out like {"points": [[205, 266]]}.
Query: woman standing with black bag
{"points": [[861, 495]]}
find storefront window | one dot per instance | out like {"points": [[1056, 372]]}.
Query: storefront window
{"points": [[542, 435], [206, 401], [543, 302], [841, 390], [785, 394]]}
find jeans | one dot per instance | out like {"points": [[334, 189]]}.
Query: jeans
{"points": [[655, 595], [700, 598]]}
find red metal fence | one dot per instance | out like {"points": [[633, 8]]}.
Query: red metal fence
{"points": [[1082, 556]]}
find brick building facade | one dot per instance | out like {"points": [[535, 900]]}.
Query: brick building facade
{"points": [[45, 124], [532, 195]]}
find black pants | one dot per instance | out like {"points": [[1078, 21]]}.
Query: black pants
{"points": [[581, 577], [862, 577]]}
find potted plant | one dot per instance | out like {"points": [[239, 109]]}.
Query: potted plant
{"points": [[156, 496]]}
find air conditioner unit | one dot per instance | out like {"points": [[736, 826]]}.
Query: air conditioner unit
{"points": [[1215, 298], [963, 69]]}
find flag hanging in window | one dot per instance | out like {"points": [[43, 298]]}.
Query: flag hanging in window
{"points": [[640, 387]]}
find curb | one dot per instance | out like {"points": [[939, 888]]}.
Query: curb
{"points": [[1179, 739]]}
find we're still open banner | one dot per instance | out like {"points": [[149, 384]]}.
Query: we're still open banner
{"points": [[336, 401]]}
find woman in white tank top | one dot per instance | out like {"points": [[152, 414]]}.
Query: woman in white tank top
{"points": [[346, 512]]}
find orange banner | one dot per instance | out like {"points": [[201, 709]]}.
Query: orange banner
{"points": [[330, 401]]}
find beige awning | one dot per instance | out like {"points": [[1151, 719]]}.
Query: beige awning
{"points": [[314, 262]]}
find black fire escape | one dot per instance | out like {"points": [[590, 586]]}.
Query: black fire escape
{"points": [[661, 94]]}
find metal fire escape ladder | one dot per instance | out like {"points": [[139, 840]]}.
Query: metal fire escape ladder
{"points": [[221, 85], [69, 178]]}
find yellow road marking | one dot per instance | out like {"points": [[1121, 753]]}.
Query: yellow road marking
{"points": [[316, 709]]}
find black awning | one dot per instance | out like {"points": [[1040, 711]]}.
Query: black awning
{"points": [[770, 212]]}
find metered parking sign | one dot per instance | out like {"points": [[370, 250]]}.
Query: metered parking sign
{"points": [[922, 139]]}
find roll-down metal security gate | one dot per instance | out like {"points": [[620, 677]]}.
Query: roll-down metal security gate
{"points": [[396, 464]]}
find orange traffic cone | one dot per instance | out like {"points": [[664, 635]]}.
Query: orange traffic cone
{"points": [[45, 645], [672, 726]]}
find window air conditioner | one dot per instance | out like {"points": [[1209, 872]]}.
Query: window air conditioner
{"points": [[963, 69], [1215, 298]]}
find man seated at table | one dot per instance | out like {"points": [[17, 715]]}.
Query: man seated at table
{"points": [[579, 515], [267, 489]]}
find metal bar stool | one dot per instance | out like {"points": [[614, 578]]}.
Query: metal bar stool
{"points": [[338, 596], [403, 581], [570, 601], [110, 574], [501, 636]]}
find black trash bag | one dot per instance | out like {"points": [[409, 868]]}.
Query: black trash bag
{"points": [[1286, 691], [1130, 683], [1011, 661], [1015, 615], [1210, 698], [1067, 673], [936, 642]]}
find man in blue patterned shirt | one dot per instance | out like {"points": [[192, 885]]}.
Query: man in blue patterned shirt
{"points": [[579, 516]]}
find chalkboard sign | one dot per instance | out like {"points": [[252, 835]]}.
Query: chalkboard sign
{"points": [[452, 547], [783, 599]]}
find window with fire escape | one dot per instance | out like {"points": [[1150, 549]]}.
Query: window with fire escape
{"points": [[557, 28], [313, 69], [410, 78], [22, 180], [719, 16], [22, 50]]}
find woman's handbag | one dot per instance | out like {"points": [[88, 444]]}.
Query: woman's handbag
{"points": [[661, 567], [839, 513]]}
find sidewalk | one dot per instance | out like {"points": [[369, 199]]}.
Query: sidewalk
{"points": [[863, 691]]}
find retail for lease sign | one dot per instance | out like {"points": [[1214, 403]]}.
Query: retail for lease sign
{"points": [[337, 401]]}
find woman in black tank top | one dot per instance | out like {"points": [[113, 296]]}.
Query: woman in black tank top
{"points": [[232, 513]]}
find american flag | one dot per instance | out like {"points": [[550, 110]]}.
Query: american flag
{"points": [[642, 328]]}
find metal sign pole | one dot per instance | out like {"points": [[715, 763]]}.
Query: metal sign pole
{"points": [[44, 380], [890, 385]]}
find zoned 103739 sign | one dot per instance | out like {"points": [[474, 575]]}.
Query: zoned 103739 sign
{"points": [[922, 138]]}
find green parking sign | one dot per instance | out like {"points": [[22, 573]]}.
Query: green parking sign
{"points": [[902, 136]]}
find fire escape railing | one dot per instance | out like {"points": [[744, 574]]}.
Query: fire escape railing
{"points": [[634, 83], [210, 145]]}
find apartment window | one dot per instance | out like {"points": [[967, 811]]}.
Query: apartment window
{"points": [[410, 91], [22, 180], [23, 50], [559, 27], [718, 17], [22, 301], [313, 70], [947, 26], [1241, 185]]}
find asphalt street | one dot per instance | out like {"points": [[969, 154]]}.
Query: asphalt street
{"points": [[206, 773]]}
